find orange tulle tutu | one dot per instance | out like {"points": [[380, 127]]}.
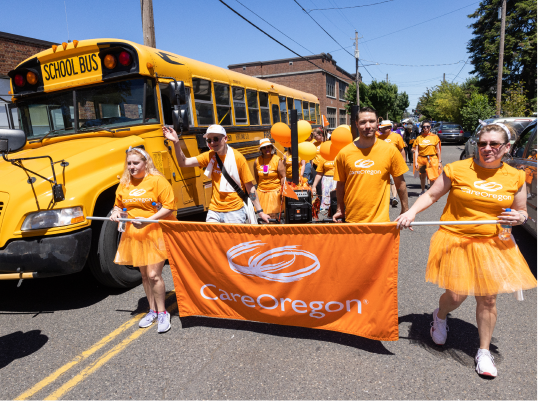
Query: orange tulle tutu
{"points": [[270, 201], [477, 266], [141, 247]]}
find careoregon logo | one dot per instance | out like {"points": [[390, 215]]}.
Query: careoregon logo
{"points": [[388, 140], [364, 163], [487, 186], [137, 192], [426, 141], [284, 264]]}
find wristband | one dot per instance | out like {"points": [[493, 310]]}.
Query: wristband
{"points": [[259, 211]]}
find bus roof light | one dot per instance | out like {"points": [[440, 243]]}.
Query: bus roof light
{"points": [[75, 43], [19, 80], [54, 47], [110, 61], [64, 45], [31, 78], [124, 58]]}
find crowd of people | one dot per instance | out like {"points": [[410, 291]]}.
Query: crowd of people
{"points": [[368, 177]]}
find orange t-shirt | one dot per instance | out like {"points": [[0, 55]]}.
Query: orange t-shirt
{"points": [[394, 139], [317, 159], [479, 193], [287, 161], [426, 144], [139, 195], [225, 201], [325, 167], [271, 180], [366, 173]]}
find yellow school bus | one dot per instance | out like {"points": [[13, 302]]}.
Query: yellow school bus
{"points": [[80, 106]]}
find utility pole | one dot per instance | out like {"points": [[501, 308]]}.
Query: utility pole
{"points": [[357, 66], [148, 27], [387, 78], [444, 80], [501, 57]]}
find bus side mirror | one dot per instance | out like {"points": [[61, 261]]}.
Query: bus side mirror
{"points": [[176, 92], [11, 140], [180, 120]]}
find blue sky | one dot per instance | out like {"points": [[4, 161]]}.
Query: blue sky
{"points": [[207, 31]]}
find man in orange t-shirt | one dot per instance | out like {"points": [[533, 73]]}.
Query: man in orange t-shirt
{"points": [[362, 171], [395, 139], [226, 205]]}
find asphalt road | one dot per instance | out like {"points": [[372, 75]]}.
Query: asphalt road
{"points": [[68, 337]]}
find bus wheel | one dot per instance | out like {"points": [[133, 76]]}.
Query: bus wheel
{"points": [[101, 260]]}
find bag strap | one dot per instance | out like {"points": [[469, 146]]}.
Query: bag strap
{"points": [[231, 181]]}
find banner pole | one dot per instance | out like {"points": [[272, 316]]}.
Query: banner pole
{"points": [[294, 148]]}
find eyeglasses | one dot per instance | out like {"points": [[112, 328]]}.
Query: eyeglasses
{"points": [[493, 145], [214, 140], [426, 126]]}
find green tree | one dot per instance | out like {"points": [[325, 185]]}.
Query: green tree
{"points": [[351, 96], [380, 95], [478, 107], [448, 100], [519, 62], [514, 102]]}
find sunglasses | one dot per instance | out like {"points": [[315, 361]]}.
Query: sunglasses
{"points": [[426, 126], [266, 147], [493, 145], [214, 140]]}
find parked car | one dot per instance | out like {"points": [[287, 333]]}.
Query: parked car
{"points": [[523, 156], [517, 123], [448, 132]]}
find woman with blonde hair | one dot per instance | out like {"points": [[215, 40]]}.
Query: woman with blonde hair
{"points": [[477, 260], [145, 194], [427, 154], [270, 173]]}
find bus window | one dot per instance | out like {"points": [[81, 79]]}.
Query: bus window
{"points": [[240, 106], [222, 100], [276, 118], [290, 106], [252, 100], [298, 105], [264, 108], [312, 112], [317, 114], [306, 111], [203, 101], [283, 115]]}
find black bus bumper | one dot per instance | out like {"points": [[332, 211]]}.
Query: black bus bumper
{"points": [[47, 256]]}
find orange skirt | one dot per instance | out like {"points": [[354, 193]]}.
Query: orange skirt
{"points": [[141, 247], [477, 266], [269, 200]]}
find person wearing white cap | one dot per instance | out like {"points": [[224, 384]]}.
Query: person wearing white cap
{"points": [[395, 139], [270, 173], [226, 204]]}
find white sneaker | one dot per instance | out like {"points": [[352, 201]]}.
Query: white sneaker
{"points": [[148, 320], [439, 329], [163, 322], [484, 363]]}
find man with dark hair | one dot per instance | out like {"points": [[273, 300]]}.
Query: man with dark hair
{"points": [[362, 171]]}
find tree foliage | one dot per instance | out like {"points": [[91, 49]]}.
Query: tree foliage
{"points": [[380, 95], [477, 108], [514, 102]]}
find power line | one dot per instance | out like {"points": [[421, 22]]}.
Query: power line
{"points": [[341, 8], [415, 65], [461, 69]]}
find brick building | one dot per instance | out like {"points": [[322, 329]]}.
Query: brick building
{"points": [[297, 73], [13, 50]]}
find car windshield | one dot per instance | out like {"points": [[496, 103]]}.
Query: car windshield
{"points": [[451, 126], [106, 106]]}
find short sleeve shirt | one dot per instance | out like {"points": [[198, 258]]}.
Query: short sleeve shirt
{"points": [[479, 193], [225, 201], [139, 195], [394, 139], [325, 167], [426, 144], [366, 173]]}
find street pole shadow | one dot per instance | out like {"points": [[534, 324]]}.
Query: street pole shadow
{"points": [[365, 344], [460, 346], [20, 345]]}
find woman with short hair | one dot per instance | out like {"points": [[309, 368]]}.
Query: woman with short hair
{"points": [[146, 194], [270, 173], [427, 154], [473, 259]]}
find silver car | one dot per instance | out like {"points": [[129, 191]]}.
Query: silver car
{"points": [[448, 132], [523, 157]]}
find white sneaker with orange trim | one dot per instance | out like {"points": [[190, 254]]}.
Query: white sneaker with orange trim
{"points": [[484, 363]]}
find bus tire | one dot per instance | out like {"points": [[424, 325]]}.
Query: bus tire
{"points": [[101, 259]]}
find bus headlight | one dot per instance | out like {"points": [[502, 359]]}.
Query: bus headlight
{"points": [[52, 218]]}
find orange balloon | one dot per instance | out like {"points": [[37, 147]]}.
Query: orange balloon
{"points": [[341, 137], [325, 151], [281, 133], [334, 151]]}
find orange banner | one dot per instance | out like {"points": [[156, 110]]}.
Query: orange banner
{"points": [[340, 277]]}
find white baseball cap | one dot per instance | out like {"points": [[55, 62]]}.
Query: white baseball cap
{"points": [[385, 123], [265, 142], [215, 129]]}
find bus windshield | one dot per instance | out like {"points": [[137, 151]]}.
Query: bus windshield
{"points": [[100, 107]]}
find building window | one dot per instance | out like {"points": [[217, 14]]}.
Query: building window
{"points": [[343, 117], [283, 115], [342, 87], [239, 106], [331, 86], [299, 108], [222, 100], [264, 108], [252, 100], [203, 101], [306, 111], [331, 116]]}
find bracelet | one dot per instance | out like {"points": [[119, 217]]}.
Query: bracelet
{"points": [[259, 211], [525, 217]]}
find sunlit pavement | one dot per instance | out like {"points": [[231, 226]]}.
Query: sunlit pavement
{"points": [[68, 337]]}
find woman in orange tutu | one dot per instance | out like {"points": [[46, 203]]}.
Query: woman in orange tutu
{"points": [[141, 189], [473, 259], [270, 173], [427, 154]]}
